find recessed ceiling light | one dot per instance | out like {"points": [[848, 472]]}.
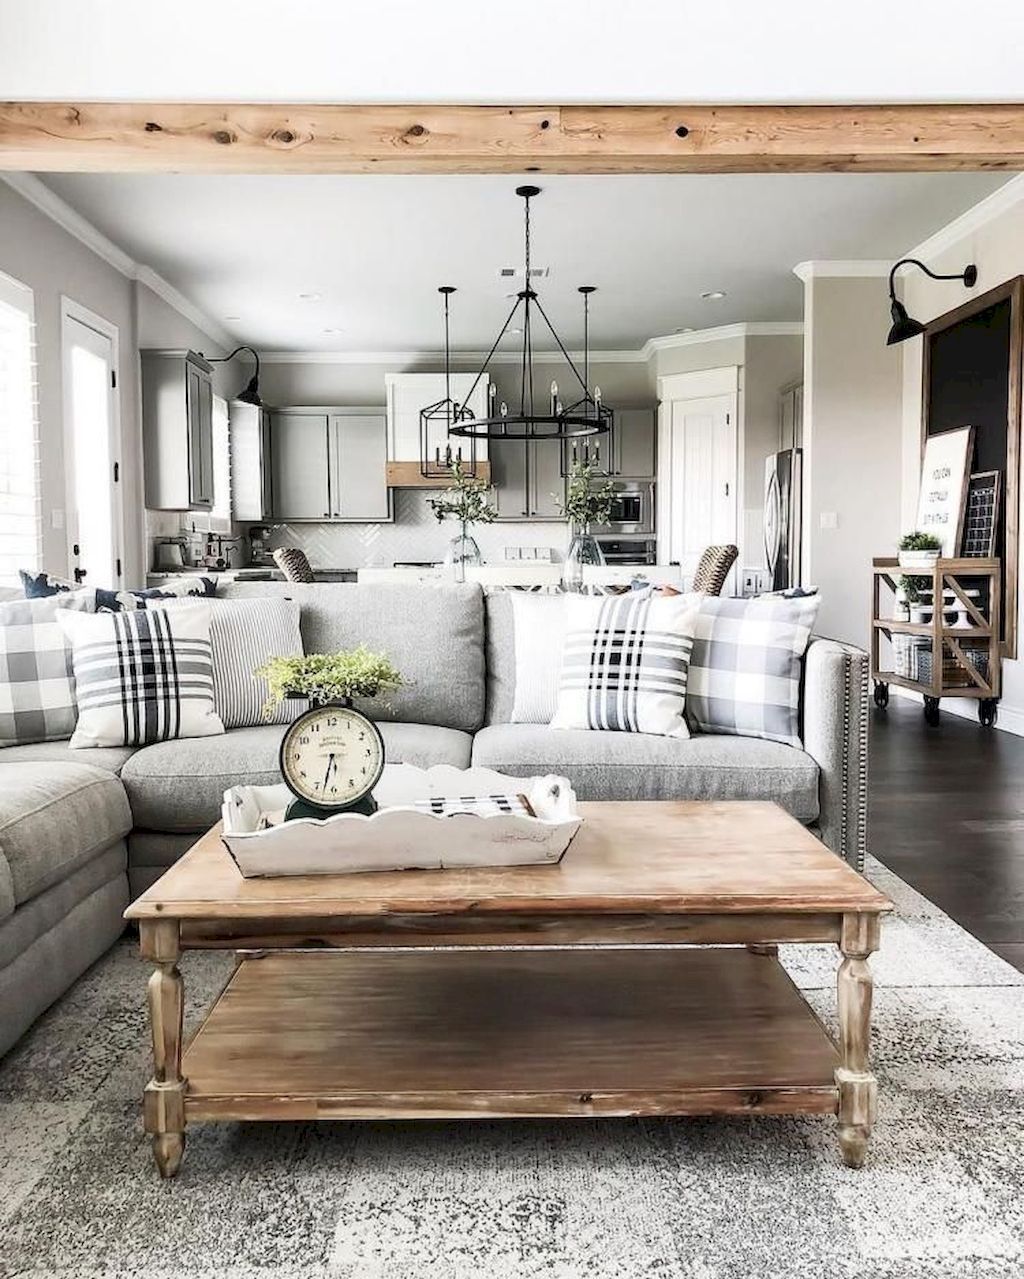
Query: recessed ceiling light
{"points": [[232, 317], [334, 330], [311, 297], [688, 329], [713, 295], [515, 332]]}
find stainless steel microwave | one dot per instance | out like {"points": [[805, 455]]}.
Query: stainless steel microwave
{"points": [[632, 509]]}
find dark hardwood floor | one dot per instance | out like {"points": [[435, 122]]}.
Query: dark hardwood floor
{"points": [[947, 815]]}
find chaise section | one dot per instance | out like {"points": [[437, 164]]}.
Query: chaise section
{"points": [[110, 758], [54, 818], [640, 766]]}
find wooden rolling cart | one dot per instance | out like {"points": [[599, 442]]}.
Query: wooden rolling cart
{"points": [[956, 661]]}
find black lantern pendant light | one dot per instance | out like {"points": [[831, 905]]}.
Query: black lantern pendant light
{"points": [[903, 325], [440, 418], [251, 393], [537, 416]]}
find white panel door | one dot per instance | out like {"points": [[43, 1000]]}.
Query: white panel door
{"points": [[703, 477], [92, 450]]}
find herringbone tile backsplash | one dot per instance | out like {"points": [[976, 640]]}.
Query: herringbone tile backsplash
{"points": [[415, 535]]}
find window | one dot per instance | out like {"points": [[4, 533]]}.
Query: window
{"points": [[20, 508]]}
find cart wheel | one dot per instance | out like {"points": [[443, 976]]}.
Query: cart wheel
{"points": [[931, 711], [988, 709], [881, 694]]}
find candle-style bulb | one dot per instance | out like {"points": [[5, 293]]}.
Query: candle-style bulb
{"points": [[504, 409], [597, 395]]}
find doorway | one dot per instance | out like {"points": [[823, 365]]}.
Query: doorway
{"points": [[92, 447], [698, 466]]}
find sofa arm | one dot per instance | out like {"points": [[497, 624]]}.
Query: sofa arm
{"points": [[835, 722]]}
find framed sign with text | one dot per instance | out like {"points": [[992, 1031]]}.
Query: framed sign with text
{"points": [[945, 469]]}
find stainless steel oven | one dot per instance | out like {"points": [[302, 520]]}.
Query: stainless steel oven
{"points": [[632, 513], [629, 550]]}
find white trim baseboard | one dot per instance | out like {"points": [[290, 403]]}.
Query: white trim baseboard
{"points": [[1010, 719]]}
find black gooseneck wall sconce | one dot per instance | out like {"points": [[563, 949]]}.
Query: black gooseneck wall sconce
{"points": [[903, 326], [251, 393]]}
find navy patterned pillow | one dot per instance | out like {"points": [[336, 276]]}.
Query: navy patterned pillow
{"points": [[127, 601], [39, 586]]}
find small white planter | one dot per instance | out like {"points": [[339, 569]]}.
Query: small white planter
{"points": [[399, 836], [918, 559]]}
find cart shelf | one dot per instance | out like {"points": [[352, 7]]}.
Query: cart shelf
{"points": [[956, 668]]}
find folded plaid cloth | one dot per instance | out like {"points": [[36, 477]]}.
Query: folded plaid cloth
{"points": [[481, 805]]}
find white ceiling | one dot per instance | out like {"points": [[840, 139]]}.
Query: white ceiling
{"points": [[375, 248]]}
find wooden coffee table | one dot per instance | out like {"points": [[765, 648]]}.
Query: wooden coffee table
{"points": [[540, 990]]}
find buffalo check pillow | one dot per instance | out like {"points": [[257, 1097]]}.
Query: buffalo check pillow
{"points": [[624, 663], [746, 665], [37, 685], [142, 676]]}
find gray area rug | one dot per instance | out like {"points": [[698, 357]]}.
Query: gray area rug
{"points": [[942, 1196]]}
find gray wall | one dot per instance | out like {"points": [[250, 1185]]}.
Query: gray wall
{"points": [[852, 447], [37, 251]]}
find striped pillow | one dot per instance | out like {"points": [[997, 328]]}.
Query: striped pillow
{"points": [[624, 664], [141, 676], [244, 634]]}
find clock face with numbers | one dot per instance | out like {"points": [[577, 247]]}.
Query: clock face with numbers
{"points": [[332, 756]]}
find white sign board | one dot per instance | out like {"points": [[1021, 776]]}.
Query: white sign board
{"points": [[944, 474]]}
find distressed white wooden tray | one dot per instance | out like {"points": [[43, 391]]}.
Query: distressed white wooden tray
{"points": [[398, 836]]}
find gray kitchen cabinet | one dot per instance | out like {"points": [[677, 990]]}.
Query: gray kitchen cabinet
{"points": [[527, 479], [358, 466], [251, 483], [301, 461], [633, 443], [177, 427], [329, 465]]}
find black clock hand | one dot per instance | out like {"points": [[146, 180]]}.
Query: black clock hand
{"points": [[327, 775]]}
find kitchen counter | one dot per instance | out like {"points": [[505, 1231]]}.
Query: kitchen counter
{"points": [[526, 575]]}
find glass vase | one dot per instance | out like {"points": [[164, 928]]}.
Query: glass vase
{"points": [[462, 550], [584, 551]]}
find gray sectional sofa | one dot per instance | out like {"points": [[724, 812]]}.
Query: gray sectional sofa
{"points": [[80, 830]]}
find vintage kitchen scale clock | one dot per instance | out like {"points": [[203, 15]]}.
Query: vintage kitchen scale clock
{"points": [[331, 758]]}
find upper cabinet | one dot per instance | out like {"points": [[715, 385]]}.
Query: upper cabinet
{"points": [[633, 443], [329, 464], [407, 395], [177, 428], [251, 485], [528, 481]]}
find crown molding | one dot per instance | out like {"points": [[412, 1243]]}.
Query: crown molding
{"points": [[972, 220], [463, 360], [854, 269], [722, 333], [37, 193]]}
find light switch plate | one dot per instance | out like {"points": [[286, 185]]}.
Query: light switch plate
{"points": [[828, 519], [56, 518]]}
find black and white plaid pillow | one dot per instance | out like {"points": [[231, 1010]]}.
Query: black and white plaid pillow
{"points": [[624, 663], [142, 676], [746, 665], [37, 686]]}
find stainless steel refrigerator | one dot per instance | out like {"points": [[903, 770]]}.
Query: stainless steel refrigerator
{"points": [[783, 505]]}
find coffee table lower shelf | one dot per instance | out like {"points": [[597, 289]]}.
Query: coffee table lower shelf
{"points": [[508, 1033]]}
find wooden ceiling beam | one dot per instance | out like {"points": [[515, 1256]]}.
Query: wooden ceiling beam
{"points": [[269, 138]]}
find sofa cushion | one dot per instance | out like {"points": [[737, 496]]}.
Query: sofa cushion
{"points": [[434, 634], [639, 766], [109, 758], [54, 818], [179, 785]]}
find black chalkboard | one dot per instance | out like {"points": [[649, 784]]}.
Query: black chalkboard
{"points": [[970, 380]]}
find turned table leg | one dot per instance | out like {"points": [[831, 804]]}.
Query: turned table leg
{"points": [[164, 1102], [857, 1085]]}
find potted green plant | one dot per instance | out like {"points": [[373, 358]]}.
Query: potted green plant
{"points": [[588, 501], [323, 678], [918, 550], [467, 501], [912, 590]]}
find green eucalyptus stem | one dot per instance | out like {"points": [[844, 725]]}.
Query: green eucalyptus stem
{"points": [[586, 501], [466, 500]]}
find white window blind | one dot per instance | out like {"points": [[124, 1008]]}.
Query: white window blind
{"points": [[20, 507]]}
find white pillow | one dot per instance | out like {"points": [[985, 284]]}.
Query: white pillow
{"points": [[538, 624], [141, 675], [245, 633], [624, 664]]}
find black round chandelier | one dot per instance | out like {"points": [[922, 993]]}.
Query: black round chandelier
{"points": [[539, 413]]}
